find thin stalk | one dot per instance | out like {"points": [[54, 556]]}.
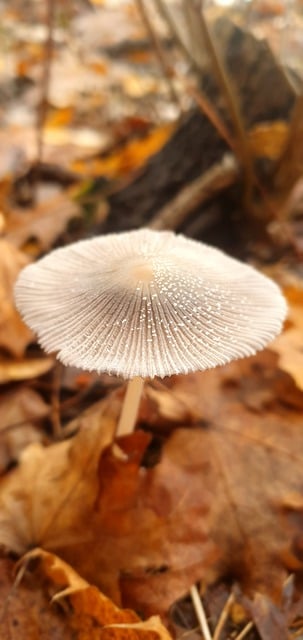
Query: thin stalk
{"points": [[245, 631], [197, 95], [130, 407], [209, 111], [200, 613], [165, 66], [166, 15], [224, 83], [218, 177], [224, 616], [46, 74], [194, 35]]}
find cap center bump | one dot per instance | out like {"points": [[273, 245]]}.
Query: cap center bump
{"points": [[142, 272]]}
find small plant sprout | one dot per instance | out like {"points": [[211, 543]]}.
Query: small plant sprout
{"points": [[146, 303]]}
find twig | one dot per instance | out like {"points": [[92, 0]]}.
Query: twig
{"points": [[289, 166], [46, 72], [200, 613], [194, 32], [166, 15], [19, 425], [227, 90], [55, 402], [197, 95], [165, 66], [210, 112], [223, 617], [245, 631], [22, 568], [222, 78], [219, 176]]}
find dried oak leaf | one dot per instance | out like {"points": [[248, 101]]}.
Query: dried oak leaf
{"points": [[289, 345], [41, 224], [92, 609], [224, 499], [97, 511], [269, 619], [26, 612], [131, 157], [24, 368], [247, 450], [14, 334], [31, 607], [267, 140], [53, 487]]}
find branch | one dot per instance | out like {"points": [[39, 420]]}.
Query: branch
{"points": [[218, 177]]}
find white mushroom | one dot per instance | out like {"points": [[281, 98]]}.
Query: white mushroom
{"points": [[147, 303]]}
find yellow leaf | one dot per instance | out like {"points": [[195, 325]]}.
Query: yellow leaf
{"points": [[131, 157], [289, 345], [267, 140], [59, 117], [14, 334], [25, 369]]}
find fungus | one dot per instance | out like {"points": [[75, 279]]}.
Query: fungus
{"points": [[146, 303]]}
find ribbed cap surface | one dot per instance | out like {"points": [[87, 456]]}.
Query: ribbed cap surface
{"points": [[148, 303]]}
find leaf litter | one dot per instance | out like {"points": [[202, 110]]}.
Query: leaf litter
{"points": [[224, 499], [14, 334], [78, 611]]}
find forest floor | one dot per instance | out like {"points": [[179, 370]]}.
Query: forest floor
{"points": [[99, 117]]}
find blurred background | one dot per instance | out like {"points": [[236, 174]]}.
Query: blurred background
{"points": [[91, 90]]}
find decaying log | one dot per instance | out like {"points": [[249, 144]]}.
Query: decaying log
{"points": [[264, 94]]}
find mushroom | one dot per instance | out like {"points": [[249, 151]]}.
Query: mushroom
{"points": [[145, 303]]}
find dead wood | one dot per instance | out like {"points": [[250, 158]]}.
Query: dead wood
{"points": [[264, 94]]}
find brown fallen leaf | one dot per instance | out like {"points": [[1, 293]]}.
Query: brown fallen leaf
{"points": [[290, 166], [268, 140], [289, 345], [21, 411], [60, 479], [270, 621], [14, 334], [30, 608], [23, 368], [91, 607], [26, 612], [224, 499], [132, 156], [247, 449], [42, 223], [107, 527]]}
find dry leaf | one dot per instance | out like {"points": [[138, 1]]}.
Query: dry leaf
{"points": [[24, 369], [289, 345], [225, 498], [26, 612], [269, 620], [43, 222], [92, 608], [60, 479], [248, 454], [14, 334], [107, 526], [290, 166], [267, 140], [60, 117], [30, 608], [130, 157], [21, 411]]}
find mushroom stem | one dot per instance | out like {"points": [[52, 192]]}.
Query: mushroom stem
{"points": [[130, 407]]}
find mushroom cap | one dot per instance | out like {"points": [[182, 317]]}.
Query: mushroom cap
{"points": [[148, 303]]}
